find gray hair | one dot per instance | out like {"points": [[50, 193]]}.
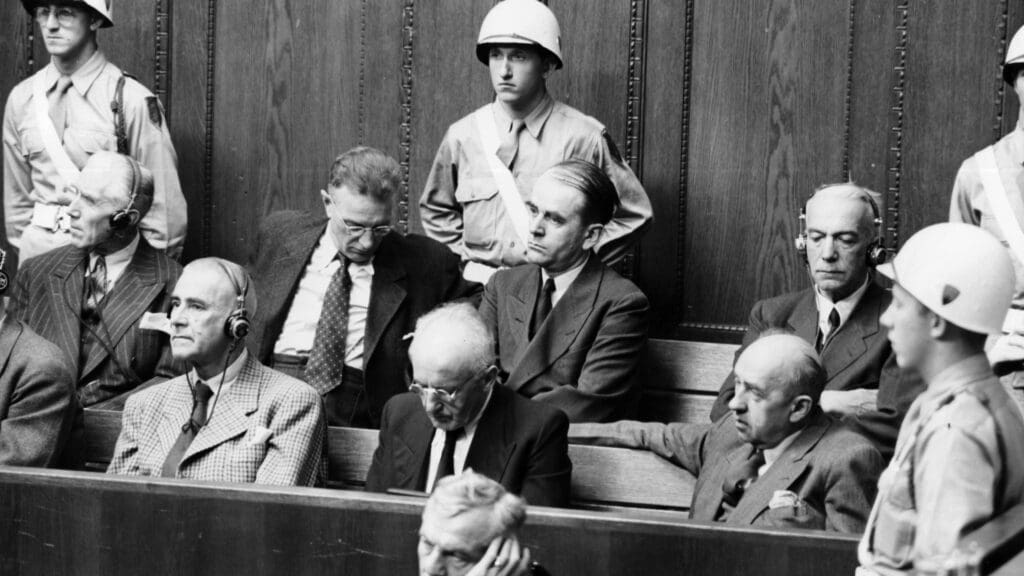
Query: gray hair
{"points": [[456, 495]]}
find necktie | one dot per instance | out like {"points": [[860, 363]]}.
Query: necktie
{"points": [[188, 430], [327, 358], [446, 467], [543, 307], [59, 105], [741, 476], [95, 288], [833, 325], [510, 145]]}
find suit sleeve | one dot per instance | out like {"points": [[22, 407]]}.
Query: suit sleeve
{"points": [[126, 451], [548, 477], [381, 473], [17, 307], [682, 444], [18, 202], [42, 410], [165, 224], [458, 288], [298, 433], [634, 214], [852, 484], [897, 390], [440, 212], [607, 378], [756, 325], [489, 310]]}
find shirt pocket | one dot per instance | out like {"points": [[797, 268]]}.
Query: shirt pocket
{"points": [[92, 141], [31, 143], [895, 528], [481, 209]]}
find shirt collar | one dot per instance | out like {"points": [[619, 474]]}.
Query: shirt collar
{"points": [[84, 77], [844, 306], [565, 279], [230, 375], [772, 454], [325, 252], [121, 258], [535, 121]]}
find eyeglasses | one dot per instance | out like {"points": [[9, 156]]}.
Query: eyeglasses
{"points": [[358, 230], [440, 394], [65, 15]]}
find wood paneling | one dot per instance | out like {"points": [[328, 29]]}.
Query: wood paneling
{"points": [[731, 111]]}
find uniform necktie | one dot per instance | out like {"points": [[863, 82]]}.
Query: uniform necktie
{"points": [[327, 358], [188, 430], [833, 325], [95, 287], [543, 307], [741, 476], [510, 145], [446, 466], [59, 105]]}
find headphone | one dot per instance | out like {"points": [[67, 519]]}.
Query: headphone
{"points": [[237, 324], [123, 218], [876, 253], [4, 280]]}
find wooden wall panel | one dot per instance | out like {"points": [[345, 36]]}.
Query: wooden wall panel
{"points": [[15, 53]]}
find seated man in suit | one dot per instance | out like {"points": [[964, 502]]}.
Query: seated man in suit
{"points": [[229, 418], [340, 292], [38, 405], [470, 527], [457, 416], [777, 459], [569, 329], [839, 245], [89, 296]]}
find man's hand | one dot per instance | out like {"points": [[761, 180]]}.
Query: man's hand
{"points": [[504, 557], [849, 402]]}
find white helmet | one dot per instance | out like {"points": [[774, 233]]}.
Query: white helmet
{"points": [[520, 22], [100, 7], [960, 272], [1014, 57]]}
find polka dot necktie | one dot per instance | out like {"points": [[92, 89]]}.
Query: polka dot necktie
{"points": [[327, 358]]}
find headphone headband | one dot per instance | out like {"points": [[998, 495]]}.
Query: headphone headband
{"points": [[122, 218], [876, 253], [237, 324]]}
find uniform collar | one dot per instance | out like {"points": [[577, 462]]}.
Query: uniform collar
{"points": [[534, 121], [84, 77], [968, 370]]}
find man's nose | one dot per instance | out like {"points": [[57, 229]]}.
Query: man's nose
{"points": [[737, 404], [828, 249]]}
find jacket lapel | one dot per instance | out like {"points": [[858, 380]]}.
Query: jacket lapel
{"points": [[782, 474], [10, 331], [707, 499], [850, 341], [387, 292], [804, 321], [562, 326], [230, 416], [176, 411], [493, 440], [65, 285], [138, 286], [412, 451]]}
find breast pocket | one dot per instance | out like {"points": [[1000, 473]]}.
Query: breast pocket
{"points": [[92, 140], [480, 212], [31, 143], [897, 517]]}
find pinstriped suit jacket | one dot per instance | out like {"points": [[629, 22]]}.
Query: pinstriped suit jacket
{"points": [[48, 297], [231, 447]]}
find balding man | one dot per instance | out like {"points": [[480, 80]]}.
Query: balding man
{"points": [[776, 459], [89, 296], [840, 244], [229, 418], [457, 416], [470, 528]]}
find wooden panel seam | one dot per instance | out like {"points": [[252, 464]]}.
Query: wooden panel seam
{"points": [[362, 74], [405, 131], [638, 10], [894, 167], [684, 166], [161, 53], [211, 47], [29, 38], [848, 95], [1000, 92]]}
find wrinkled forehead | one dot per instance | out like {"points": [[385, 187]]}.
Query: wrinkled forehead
{"points": [[205, 281], [837, 213], [103, 180], [468, 531]]}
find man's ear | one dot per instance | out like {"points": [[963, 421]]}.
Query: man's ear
{"points": [[592, 236], [937, 325], [800, 408], [326, 197], [95, 23]]}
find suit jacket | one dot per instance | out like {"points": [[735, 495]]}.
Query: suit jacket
{"points": [[37, 398], [857, 356], [831, 469], [412, 275], [518, 443], [268, 428], [583, 357], [48, 297]]}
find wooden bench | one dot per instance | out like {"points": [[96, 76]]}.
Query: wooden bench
{"points": [[59, 522], [680, 379], [602, 477]]}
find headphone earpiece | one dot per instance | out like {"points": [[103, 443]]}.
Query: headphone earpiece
{"points": [[123, 218], [237, 324], [801, 239]]}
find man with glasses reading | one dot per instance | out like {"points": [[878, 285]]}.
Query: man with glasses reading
{"points": [[339, 293], [457, 416]]}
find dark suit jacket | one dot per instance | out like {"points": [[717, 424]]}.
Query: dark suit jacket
{"points": [[519, 443], [412, 275], [37, 398], [48, 297], [858, 356], [831, 469], [583, 358]]}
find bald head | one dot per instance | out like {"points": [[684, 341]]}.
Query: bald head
{"points": [[788, 362], [853, 201], [455, 336]]}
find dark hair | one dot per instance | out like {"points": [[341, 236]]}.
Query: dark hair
{"points": [[367, 171], [599, 194]]}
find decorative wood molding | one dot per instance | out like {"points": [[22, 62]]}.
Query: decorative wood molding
{"points": [[405, 131], [211, 52], [1002, 30], [162, 53], [851, 25], [362, 73], [895, 148], [684, 163], [29, 39], [636, 66], [710, 332]]}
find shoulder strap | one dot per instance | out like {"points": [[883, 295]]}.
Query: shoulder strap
{"points": [[510, 196], [117, 106], [992, 183], [66, 169]]}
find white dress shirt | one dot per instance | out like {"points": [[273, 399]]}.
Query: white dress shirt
{"points": [[461, 446], [215, 384], [117, 263], [299, 329], [772, 454], [562, 281], [844, 307]]}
